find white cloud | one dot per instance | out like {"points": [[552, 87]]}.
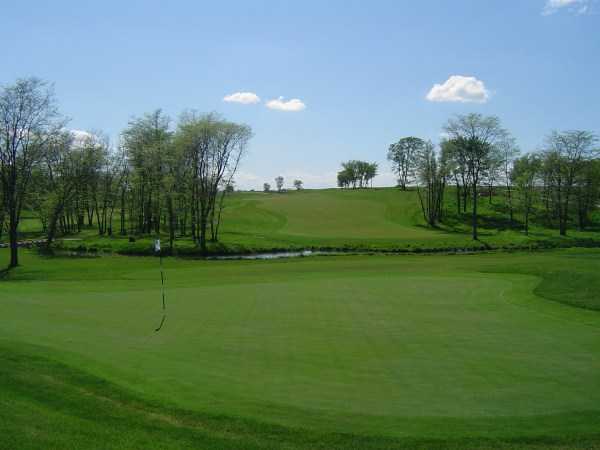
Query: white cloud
{"points": [[459, 88], [80, 137], [292, 105], [245, 98], [575, 6]]}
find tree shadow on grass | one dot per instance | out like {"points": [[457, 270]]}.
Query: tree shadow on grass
{"points": [[4, 273], [492, 223]]}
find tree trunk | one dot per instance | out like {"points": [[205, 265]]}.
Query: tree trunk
{"points": [[203, 226], [56, 214], [122, 218], [1, 224], [458, 198], [218, 224], [90, 214], [510, 204], [474, 216], [13, 236], [562, 226], [171, 222]]}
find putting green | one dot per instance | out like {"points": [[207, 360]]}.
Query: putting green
{"points": [[417, 346]]}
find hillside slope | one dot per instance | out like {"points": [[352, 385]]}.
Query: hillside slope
{"points": [[361, 219], [384, 218]]}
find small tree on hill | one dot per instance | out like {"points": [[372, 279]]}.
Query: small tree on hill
{"points": [[279, 183], [298, 184], [431, 183], [564, 156], [475, 140], [525, 173], [508, 152], [404, 156], [356, 174], [587, 192]]}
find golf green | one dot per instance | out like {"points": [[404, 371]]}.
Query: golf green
{"points": [[414, 347]]}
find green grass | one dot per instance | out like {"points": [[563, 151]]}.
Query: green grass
{"points": [[369, 219], [474, 351]]}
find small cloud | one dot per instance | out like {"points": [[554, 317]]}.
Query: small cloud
{"points": [[461, 89], [80, 134], [292, 105], [245, 98], [80, 137], [574, 6]]}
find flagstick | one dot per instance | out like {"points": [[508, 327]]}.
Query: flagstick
{"points": [[162, 285]]}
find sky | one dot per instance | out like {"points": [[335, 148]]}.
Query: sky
{"points": [[319, 82]]}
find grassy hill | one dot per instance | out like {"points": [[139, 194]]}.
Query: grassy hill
{"points": [[366, 219], [475, 351]]}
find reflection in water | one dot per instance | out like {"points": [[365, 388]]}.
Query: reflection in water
{"points": [[277, 255]]}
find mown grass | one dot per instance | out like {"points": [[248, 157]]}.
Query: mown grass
{"points": [[385, 219], [466, 351], [46, 404]]}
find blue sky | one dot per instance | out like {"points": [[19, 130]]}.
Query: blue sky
{"points": [[362, 73]]}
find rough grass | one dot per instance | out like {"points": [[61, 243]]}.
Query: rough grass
{"points": [[330, 352]]}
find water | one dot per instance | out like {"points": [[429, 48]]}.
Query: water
{"points": [[277, 255]]}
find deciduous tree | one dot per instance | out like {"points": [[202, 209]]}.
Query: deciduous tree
{"points": [[475, 139], [404, 156], [279, 183], [28, 119], [524, 177], [564, 158], [431, 183]]}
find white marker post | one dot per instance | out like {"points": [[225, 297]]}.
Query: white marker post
{"points": [[162, 283]]}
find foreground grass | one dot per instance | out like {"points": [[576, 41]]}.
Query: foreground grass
{"points": [[46, 404], [333, 352]]}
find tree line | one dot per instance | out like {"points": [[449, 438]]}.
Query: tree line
{"points": [[279, 184], [160, 178], [478, 155], [173, 177], [356, 174]]}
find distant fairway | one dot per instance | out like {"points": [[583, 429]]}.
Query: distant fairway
{"points": [[464, 350], [332, 213], [330, 217], [355, 219]]}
